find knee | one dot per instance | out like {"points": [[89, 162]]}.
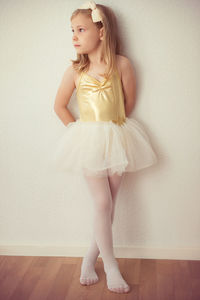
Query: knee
{"points": [[104, 206]]}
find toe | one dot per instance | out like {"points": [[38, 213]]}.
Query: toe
{"points": [[113, 290], [127, 289], [82, 281], [88, 281], [122, 289]]}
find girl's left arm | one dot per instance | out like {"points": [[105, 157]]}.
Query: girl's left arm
{"points": [[128, 84]]}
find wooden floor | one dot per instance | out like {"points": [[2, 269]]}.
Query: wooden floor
{"points": [[57, 278]]}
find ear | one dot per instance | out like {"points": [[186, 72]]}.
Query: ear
{"points": [[101, 33]]}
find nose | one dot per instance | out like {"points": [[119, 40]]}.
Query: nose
{"points": [[74, 37]]}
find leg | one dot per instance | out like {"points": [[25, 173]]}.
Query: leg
{"points": [[101, 193], [88, 275], [114, 182]]}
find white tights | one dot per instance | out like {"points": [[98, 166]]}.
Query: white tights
{"points": [[104, 192]]}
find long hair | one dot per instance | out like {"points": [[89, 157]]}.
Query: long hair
{"points": [[111, 41]]}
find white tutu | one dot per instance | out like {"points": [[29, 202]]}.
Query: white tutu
{"points": [[95, 147]]}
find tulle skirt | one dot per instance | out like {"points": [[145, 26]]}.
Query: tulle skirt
{"points": [[96, 148]]}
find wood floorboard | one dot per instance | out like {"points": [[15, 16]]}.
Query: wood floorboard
{"points": [[57, 278]]}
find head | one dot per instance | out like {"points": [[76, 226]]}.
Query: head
{"points": [[87, 34], [90, 34]]}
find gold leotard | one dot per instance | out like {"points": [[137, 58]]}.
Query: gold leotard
{"points": [[101, 100]]}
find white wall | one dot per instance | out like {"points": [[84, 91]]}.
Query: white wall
{"points": [[42, 212]]}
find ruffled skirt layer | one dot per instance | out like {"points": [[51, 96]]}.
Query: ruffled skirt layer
{"points": [[96, 148]]}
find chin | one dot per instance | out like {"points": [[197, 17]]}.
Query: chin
{"points": [[79, 50]]}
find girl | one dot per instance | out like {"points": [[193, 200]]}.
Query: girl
{"points": [[103, 143]]}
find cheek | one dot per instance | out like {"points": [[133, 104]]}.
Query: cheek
{"points": [[92, 36], [93, 39]]}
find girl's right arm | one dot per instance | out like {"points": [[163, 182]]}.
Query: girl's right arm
{"points": [[63, 96]]}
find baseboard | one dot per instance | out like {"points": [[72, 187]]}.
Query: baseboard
{"points": [[120, 252]]}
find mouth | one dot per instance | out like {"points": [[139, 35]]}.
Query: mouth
{"points": [[76, 45]]}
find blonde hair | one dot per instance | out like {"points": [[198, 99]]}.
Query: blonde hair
{"points": [[111, 42]]}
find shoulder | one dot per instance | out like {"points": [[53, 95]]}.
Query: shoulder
{"points": [[123, 64], [71, 74], [70, 71], [126, 71], [122, 59]]}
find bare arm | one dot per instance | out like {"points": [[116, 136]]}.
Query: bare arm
{"points": [[128, 84], [63, 96]]}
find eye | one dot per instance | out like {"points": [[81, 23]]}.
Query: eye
{"points": [[79, 29]]}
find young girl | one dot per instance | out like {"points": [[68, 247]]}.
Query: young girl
{"points": [[103, 143]]}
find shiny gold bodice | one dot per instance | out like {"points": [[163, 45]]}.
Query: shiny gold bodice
{"points": [[101, 100]]}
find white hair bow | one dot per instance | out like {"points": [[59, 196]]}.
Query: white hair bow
{"points": [[96, 16]]}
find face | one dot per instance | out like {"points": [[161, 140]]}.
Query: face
{"points": [[85, 34]]}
